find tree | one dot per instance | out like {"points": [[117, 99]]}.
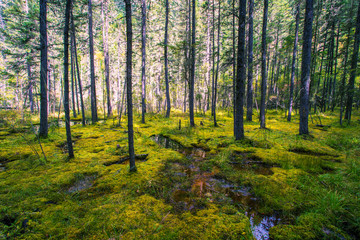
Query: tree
{"points": [[143, 60], [94, 116], [106, 56], [241, 74], [43, 130], [263, 66], [168, 107], [129, 35], [66, 78], [305, 69], [249, 103], [217, 66], [192, 72], [354, 59], [294, 61]]}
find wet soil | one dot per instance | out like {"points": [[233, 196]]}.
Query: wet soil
{"points": [[194, 188]]}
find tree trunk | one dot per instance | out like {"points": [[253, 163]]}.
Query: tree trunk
{"points": [[342, 87], [292, 80], [66, 78], [72, 84], [335, 70], [263, 66], [354, 59], [106, 56], [217, 63], [305, 69], [192, 75], [249, 104], [129, 36], [43, 131], [168, 107], [30, 88], [94, 115], [78, 72], [240, 75], [143, 60]]}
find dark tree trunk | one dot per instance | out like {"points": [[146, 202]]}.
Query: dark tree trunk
{"points": [[143, 60], [66, 78], [305, 69], [43, 131], [354, 59], [335, 71], [72, 84], [234, 61], [30, 88], [213, 60], [292, 80], [129, 35], [78, 72], [342, 87], [263, 66], [249, 104], [94, 115], [168, 107], [240, 75], [192, 75], [217, 64], [106, 57]]}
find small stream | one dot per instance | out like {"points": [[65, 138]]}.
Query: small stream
{"points": [[207, 186]]}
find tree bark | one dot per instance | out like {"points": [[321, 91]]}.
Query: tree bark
{"points": [[43, 131], [192, 75], [66, 78], [129, 35], [292, 80], [72, 84], [94, 115], [263, 66], [249, 103], [168, 106], [354, 59], [305, 69], [143, 60], [78, 71], [217, 64], [240, 75], [342, 87], [106, 57]]}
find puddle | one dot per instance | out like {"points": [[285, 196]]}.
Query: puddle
{"points": [[197, 187], [83, 184]]}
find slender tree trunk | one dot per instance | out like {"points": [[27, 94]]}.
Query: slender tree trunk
{"points": [[43, 131], [168, 107], [143, 60], [335, 71], [94, 115], [292, 81], [354, 59], [72, 85], [30, 88], [66, 78], [208, 58], [263, 66], [305, 69], [78, 71], [129, 84], [249, 104], [192, 75], [240, 75], [217, 64], [106, 56], [234, 62], [342, 88], [213, 60]]}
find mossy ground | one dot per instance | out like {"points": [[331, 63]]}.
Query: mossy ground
{"points": [[315, 182]]}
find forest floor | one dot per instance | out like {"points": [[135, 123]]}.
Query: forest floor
{"points": [[191, 183]]}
